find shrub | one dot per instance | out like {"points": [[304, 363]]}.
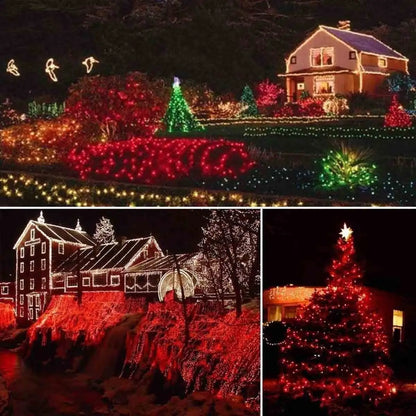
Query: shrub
{"points": [[397, 116], [151, 160], [122, 107], [308, 107], [269, 96], [8, 115], [43, 142], [335, 106]]}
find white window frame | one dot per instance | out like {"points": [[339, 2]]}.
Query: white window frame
{"points": [[43, 282], [32, 265], [31, 314], [330, 79], [22, 312], [86, 281], [22, 284], [100, 273], [22, 267], [43, 247], [21, 299], [43, 264], [115, 280], [5, 290], [382, 62], [37, 301], [30, 300], [322, 49], [67, 282], [32, 249], [32, 234], [22, 252], [61, 248], [32, 284]]}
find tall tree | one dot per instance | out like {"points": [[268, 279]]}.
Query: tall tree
{"points": [[336, 350], [104, 232], [231, 238]]}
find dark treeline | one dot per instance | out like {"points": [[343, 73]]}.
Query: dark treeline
{"points": [[224, 43]]}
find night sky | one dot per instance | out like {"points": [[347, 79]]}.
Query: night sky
{"points": [[176, 230], [299, 245]]}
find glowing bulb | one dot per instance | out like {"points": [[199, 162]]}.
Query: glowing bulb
{"points": [[346, 232], [12, 68], [50, 69]]}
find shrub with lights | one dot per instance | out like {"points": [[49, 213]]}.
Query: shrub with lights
{"points": [[347, 168], [121, 107], [396, 115], [178, 117], [45, 110], [155, 160], [8, 115], [305, 107], [43, 142], [336, 351], [335, 106], [269, 95]]}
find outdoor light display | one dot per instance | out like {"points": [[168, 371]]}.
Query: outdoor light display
{"points": [[7, 316], [50, 67], [12, 68], [248, 103], [155, 160], [89, 63], [178, 117], [347, 167], [397, 116], [336, 349]]}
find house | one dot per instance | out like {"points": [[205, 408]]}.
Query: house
{"points": [[339, 61], [398, 313], [7, 292]]}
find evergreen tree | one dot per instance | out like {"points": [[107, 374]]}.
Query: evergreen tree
{"points": [[248, 103], [104, 231], [336, 349], [178, 117], [397, 116]]}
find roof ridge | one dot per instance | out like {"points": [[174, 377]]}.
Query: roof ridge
{"points": [[60, 226]]}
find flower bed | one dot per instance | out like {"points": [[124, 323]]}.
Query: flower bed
{"points": [[160, 160]]}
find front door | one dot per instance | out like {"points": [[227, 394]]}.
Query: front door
{"points": [[34, 305]]}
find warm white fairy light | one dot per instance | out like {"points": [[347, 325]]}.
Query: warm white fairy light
{"points": [[12, 68], [89, 63], [50, 69]]}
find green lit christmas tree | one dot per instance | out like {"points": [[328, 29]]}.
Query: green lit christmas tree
{"points": [[178, 117], [248, 103]]}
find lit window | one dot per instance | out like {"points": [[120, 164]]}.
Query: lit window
{"points": [[43, 264], [22, 284], [290, 312], [32, 250], [43, 282], [22, 267], [397, 325], [22, 252], [44, 247], [115, 280], [4, 290], [324, 85], [382, 62], [32, 234], [32, 265], [274, 313], [322, 56], [32, 284], [353, 55], [61, 248], [300, 86], [22, 299], [86, 281], [293, 60]]}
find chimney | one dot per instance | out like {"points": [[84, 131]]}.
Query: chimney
{"points": [[344, 24]]}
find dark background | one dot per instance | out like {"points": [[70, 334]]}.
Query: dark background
{"points": [[225, 43], [299, 246], [176, 230]]}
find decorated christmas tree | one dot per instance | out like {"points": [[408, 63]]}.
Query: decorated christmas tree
{"points": [[336, 349], [248, 103], [178, 117], [104, 231], [397, 116]]}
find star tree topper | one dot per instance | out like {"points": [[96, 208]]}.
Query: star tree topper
{"points": [[346, 232]]}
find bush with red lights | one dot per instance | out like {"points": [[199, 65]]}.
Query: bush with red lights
{"points": [[268, 96], [306, 107], [156, 160], [121, 106], [397, 116]]}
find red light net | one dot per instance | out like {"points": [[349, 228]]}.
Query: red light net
{"points": [[154, 160], [7, 316], [222, 356], [98, 312]]}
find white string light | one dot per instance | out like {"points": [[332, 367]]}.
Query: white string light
{"points": [[50, 69], [89, 63], [12, 68]]}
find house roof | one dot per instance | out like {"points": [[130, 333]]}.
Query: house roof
{"points": [[106, 256], [363, 43], [319, 71], [160, 264], [58, 233]]}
